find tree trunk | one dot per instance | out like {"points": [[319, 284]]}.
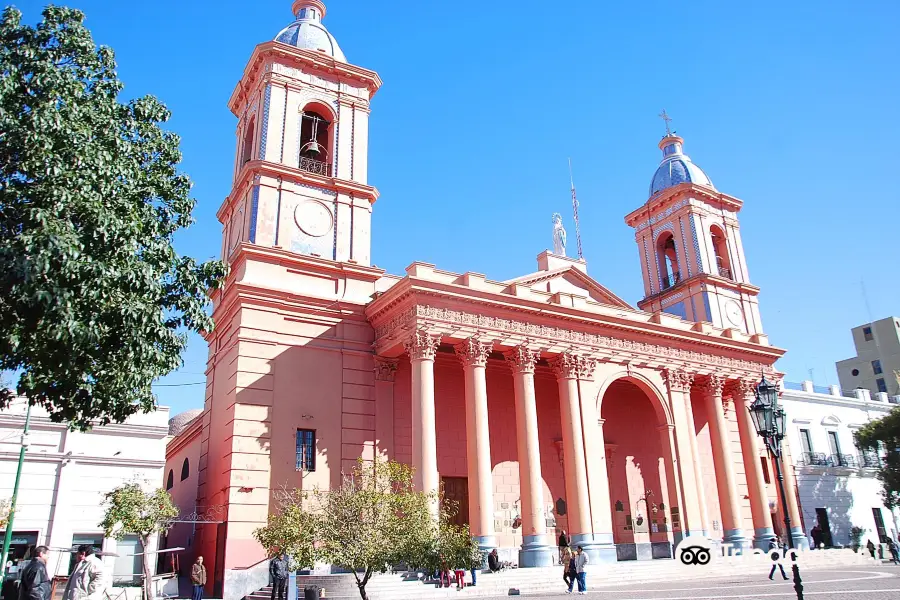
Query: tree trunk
{"points": [[148, 573], [361, 584]]}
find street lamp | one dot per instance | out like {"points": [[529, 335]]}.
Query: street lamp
{"points": [[768, 419]]}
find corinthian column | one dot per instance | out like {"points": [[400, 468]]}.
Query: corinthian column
{"points": [[693, 506], [421, 347], [565, 366], [473, 355], [756, 486], [724, 462], [535, 551]]}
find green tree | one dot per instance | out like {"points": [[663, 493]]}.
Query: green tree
{"points": [[130, 510], [4, 513], [372, 520], [291, 529], [885, 434], [95, 303]]}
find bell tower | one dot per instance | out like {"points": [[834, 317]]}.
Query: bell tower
{"points": [[689, 242], [300, 173]]}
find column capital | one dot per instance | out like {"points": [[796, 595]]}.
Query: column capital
{"points": [[521, 359], [714, 385], [565, 365], [385, 368], [473, 352], [422, 345], [678, 380], [745, 389], [569, 365]]}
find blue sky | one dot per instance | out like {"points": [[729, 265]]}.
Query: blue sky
{"points": [[792, 107]]}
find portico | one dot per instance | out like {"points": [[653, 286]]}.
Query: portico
{"points": [[570, 410]]}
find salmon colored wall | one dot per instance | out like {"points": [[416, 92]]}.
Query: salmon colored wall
{"points": [[451, 434], [631, 426], [704, 446]]}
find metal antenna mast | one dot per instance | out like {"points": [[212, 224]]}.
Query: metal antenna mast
{"points": [[575, 210]]}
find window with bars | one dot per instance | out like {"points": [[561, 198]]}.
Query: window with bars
{"points": [[306, 450]]}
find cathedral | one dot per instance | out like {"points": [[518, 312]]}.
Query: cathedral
{"points": [[540, 404]]}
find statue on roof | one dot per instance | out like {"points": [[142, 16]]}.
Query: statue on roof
{"points": [[559, 235]]}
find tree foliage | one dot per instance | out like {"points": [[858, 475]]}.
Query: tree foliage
{"points": [[372, 520], [291, 529], [884, 434], [4, 512], [94, 300], [131, 510]]}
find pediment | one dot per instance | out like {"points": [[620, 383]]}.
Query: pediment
{"points": [[571, 280]]}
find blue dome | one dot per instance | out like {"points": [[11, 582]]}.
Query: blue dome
{"points": [[676, 167], [308, 32]]}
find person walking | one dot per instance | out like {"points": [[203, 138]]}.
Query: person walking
{"points": [[776, 552], [870, 547], [35, 583], [581, 560], [279, 571], [563, 544], [198, 578], [568, 570], [88, 579], [895, 550]]}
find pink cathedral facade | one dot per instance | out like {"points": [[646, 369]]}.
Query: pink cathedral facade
{"points": [[541, 403]]}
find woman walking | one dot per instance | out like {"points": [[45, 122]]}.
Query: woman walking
{"points": [[568, 568]]}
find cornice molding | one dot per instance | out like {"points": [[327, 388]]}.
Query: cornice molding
{"points": [[602, 346]]}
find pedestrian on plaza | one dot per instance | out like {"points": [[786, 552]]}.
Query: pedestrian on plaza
{"points": [[460, 575], [445, 573], [279, 570], [198, 578], [870, 546], [895, 550], [494, 561], [88, 579], [581, 560], [816, 535], [35, 583], [568, 570], [777, 550], [563, 544]]}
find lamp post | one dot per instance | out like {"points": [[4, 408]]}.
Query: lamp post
{"points": [[768, 419]]}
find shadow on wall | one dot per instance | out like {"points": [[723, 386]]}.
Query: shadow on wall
{"points": [[832, 493]]}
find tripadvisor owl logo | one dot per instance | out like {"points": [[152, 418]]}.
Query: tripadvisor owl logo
{"points": [[695, 551]]}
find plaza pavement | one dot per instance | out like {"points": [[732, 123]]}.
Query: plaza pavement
{"points": [[845, 583]]}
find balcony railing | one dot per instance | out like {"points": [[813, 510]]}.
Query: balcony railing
{"points": [[317, 167], [670, 280], [869, 460], [814, 459], [726, 273], [842, 460]]}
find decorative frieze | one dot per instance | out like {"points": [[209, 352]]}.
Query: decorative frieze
{"points": [[385, 368], [589, 341], [473, 352], [522, 359], [422, 345]]}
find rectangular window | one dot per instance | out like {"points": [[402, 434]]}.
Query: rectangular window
{"points": [[876, 367], [805, 441], [867, 334], [882, 386], [833, 444], [306, 450], [765, 469]]}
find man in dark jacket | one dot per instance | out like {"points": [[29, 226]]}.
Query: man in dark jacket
{"points": [[278, 569], [35, 583]]}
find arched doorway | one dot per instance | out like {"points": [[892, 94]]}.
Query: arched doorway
{"points": [[640, 469]]}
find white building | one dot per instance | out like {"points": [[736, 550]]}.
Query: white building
{"points": [[65, 475], [837, 482]]}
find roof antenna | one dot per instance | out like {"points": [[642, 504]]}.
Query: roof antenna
{"points": [[575, 210]]}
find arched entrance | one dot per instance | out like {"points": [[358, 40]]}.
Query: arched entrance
{"points": [[640, 469]]}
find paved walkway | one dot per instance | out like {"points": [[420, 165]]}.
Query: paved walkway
{"points": [[846, 583]]}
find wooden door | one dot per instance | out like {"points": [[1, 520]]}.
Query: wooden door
{"points": [[456, 489]]}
